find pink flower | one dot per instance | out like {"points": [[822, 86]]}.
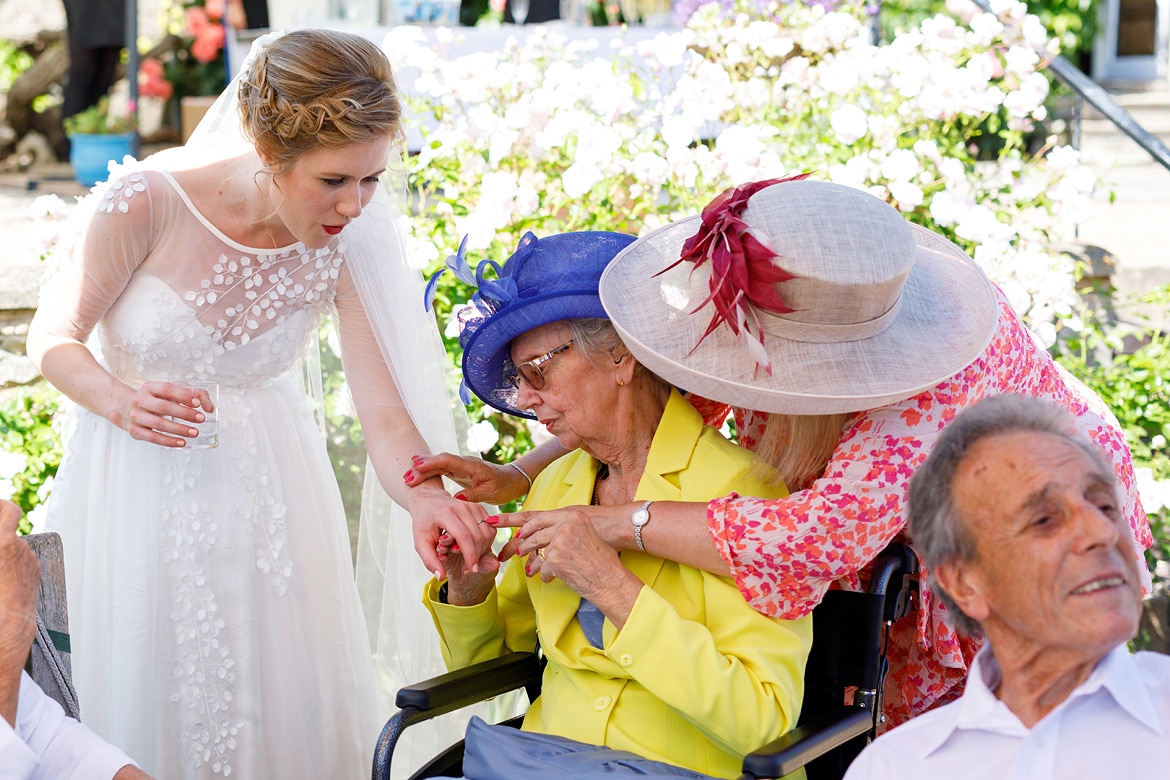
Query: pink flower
{"points": [[197, 20], [151, 82], [208, 43], [214, 9]]}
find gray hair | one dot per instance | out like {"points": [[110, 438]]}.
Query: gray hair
{"points": [[937, 527], [599, 344]]}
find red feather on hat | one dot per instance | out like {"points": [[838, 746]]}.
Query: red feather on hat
{"points": [[742, 270]]}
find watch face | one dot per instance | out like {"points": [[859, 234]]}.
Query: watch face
{"points": [[640, 516]]}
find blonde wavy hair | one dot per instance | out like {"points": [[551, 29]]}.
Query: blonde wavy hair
{"points": [[313, 89], [799, 446]]}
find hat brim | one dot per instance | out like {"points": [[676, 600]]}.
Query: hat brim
{"points": [[947, 316]]}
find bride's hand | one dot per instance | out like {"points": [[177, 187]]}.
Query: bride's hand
{"points": [[435, 513], [159, 413], [481, 481]]}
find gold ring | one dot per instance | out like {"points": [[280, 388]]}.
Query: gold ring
{"points": [[540, 552], [479, 522]]}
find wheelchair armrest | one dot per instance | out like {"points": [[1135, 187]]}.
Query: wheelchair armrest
{"points": [[454, 690], [793, 750], [473, 683]]}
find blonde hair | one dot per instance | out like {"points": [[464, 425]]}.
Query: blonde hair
{"points": [[799, 446], [313, 89]]}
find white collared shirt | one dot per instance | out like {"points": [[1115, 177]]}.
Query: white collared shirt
{"points": [[46, 744], [1116, 724]]}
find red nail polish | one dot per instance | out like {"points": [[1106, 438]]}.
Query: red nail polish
{"points": [[493, 520], [460, 496], [407, 475], [519, 533], [416, 458]]}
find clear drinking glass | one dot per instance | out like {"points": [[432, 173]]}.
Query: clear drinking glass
{"points": [[208, 429]]}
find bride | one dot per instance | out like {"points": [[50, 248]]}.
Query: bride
{"points": [[216, 624]]}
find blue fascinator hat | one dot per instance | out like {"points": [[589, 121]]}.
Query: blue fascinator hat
{"points": [[545, 280]]}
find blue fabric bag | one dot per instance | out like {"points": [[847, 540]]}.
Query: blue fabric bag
{"points": [[504, 753]]}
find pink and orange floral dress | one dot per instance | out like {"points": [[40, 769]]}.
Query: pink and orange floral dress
{"points": [[785, 553]]}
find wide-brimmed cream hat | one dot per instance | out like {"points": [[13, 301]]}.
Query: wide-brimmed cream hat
{"points": [[876, 309]]}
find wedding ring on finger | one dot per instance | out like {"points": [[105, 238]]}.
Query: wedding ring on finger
{"points": [[540, 552], [479, 521]]}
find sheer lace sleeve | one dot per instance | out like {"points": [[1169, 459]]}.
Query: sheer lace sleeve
{"points": [[106, 239]]}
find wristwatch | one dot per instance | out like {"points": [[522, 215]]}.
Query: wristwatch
{"points": [[640, 517]]}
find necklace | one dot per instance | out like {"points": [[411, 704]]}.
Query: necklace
{"points": [[602, 474]]}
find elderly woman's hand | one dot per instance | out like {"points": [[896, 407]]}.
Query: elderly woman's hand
{"points": [[577, 556], [464, 587], [539, 527], [435, 512], [481, 481]]}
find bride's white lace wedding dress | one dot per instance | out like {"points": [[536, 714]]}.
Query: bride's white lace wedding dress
{"points": [[215, 622]]}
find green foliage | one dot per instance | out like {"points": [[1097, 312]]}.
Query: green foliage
{"points": [[13, 62], [31, 446], [97, 120], [1128, 365], [1072, 22]]}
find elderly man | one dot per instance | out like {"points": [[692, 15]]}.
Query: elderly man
{"points": [[37, 740], [1017, 521]]}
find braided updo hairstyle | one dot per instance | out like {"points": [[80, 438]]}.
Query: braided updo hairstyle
{"points": [[313, 89]]}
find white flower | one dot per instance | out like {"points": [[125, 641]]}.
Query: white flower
{"points": [[985, 28], [650, 169], [11, 464], [1021, 60], [669, 50], [482, 436], [900, 165], [838, 76], [848, 122], [50, 207], [37, 517], [1155, 494], [580, 178], [908, 195]]}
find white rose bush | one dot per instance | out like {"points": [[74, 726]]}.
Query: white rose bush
{"points": [[945, 122], [553, 135]]}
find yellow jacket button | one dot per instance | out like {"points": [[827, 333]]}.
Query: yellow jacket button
{"points": [[601, 703], [626, 659]]}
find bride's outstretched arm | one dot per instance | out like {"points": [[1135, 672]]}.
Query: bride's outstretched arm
{"points": [[490, 483], [392, 439]]}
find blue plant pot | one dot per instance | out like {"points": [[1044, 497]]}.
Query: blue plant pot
{"points": [[90, 155]]}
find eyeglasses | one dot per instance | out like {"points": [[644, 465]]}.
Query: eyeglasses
{"points": [[530, 372]]}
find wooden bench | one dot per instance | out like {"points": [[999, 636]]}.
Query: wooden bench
{"points": [[49, 662]]}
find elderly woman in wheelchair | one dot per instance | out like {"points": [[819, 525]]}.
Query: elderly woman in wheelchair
{"points": [[615, 628]]}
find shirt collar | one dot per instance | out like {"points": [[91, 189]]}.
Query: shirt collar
{"points": [[979, 709]]}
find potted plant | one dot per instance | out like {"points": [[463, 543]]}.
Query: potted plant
{"points": [[96, 136], [196, 65]]}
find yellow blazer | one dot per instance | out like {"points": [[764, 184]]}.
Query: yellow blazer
{"points": [[696, 677]]}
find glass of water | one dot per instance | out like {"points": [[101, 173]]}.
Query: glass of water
{"points": [[519, 11], [208, 429]]}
